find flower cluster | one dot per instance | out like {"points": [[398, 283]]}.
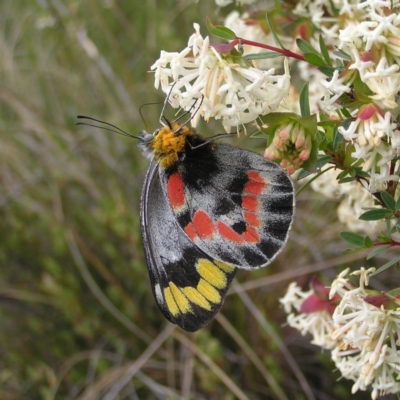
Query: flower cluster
{"points": [[360, 326], [354, 200], [291, 145], [225, 86], [310, 312], [345, 120], [370, 38]]}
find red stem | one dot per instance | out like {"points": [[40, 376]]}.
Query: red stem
{"points": [[391, 243], [284, 52]]}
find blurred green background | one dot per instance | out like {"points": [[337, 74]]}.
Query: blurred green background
{"points": [[77, 315]]}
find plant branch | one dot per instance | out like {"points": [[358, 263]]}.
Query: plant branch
{"points": [[284, 52]]}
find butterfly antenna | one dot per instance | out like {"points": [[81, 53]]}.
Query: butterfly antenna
{"points": [[140, 111], [162, 115], [165, 122], [189, 111], [115, 130]]}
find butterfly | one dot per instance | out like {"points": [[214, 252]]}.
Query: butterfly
{"points": [[207, 208]]}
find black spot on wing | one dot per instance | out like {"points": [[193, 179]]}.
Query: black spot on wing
{"points": [[239, 227], [184, 218], [224, 206]]}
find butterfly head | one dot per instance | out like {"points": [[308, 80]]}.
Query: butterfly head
{"points": [[168, 144]]}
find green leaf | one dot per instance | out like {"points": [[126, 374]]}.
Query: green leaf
{"points": [[272, 29], [309, 123], [394, 292], [368, 242], [323, 145], [362, 173], [259, 135], [386, 266], [263, 55], [304, 101], [328, 71], [342, 54], [277, 118], [361, 90], [337, 138], [323, 159], [342, 175], [397, 206], [324, 50], [377, 251], [375, 214], [346, 180], [314, 59], [346, 113], [305, 47], [388, 200], [353, 238], [220, 31], [303, 174], [329, 124]]}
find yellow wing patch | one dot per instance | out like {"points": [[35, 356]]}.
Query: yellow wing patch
{"points": [[180, 299], [196, 297], [171, 304], [224, 266], [209, 291], [213, 277], [212, 274]]}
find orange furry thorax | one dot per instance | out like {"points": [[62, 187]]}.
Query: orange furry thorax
{"points": [[169, 143]]}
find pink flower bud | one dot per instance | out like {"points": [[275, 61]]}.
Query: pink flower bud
{"points": [[284, 134], [304, 155], [290, 169], [300, 138], [277, 142], [272, 153], [368, 111]]}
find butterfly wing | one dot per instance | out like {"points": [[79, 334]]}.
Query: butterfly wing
{"points": [[233, 204], [188, 285]]}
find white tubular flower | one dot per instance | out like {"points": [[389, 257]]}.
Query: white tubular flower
{"points": [[363, 129], [367, 325], [373, 134], [355, 199], [384, 81], [227, 90], [374, 45], [334, 88]]}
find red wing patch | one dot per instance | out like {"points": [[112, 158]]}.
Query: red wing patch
{"points": [[256, 183], [251, 235], [190, 231], [203, 227], [228, 233], [250, 203], [251, 219], [176, 191], [203, 224]]}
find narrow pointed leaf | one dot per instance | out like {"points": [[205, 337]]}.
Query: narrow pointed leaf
{"points": [[353, 238]]}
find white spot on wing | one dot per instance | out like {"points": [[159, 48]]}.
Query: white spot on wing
{"points": [[159, 296]]}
